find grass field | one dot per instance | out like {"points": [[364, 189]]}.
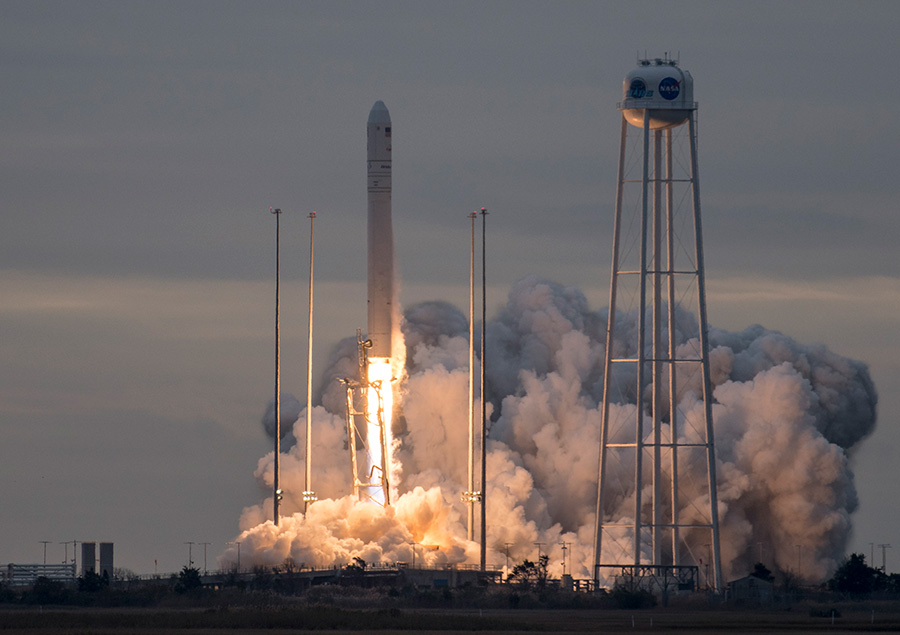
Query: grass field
{"points": [[849, 618]]}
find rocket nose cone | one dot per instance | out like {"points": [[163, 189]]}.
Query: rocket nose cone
{"points": [[379, 113]]}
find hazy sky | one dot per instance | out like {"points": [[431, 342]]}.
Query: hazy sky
{"points": [[143, 144]]}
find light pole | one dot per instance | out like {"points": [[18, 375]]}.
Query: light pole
{"points": [[74, 544], [276, 494], [205, 570], [238, 543], [45, 542], [190, 554]]}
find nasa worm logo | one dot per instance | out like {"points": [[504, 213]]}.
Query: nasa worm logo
{"points": [[669, 88], [638, 89]]}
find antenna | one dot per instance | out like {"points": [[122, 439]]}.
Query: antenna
{"points": [[883, 549]]}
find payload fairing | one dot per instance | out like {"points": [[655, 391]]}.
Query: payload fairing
{"points": [[380, 231]]}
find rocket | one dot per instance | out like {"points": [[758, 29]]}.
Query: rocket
{"points": [[380, 231]]}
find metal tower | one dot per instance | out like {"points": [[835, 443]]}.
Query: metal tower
{"points": [[369, 415], [657, 397]]}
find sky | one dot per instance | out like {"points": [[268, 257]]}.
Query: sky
{"points": [[143, 144]]}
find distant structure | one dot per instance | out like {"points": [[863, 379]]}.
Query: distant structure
{"points": [[107, 559], [657, 262], [751, 590], [88, 558], [19, 575]]}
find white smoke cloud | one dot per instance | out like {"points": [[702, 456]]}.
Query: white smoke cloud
{"points": [[786, 415]]}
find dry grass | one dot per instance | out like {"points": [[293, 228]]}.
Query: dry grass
{"points": [[850, 618]]}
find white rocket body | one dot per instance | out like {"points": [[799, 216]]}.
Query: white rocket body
{"points": [[380, 231]]}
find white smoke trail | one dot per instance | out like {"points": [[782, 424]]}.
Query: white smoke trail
{"points": [[786, 417]]}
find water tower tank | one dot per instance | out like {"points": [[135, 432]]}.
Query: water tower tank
{"points": [[663, 89]]}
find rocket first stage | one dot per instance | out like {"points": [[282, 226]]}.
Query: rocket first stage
{"points": [[380, 231]]}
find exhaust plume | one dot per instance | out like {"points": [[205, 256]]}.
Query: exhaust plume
{"points": [[786, 417]]}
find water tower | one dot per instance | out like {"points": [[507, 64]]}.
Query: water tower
{"points": [[657, 515]]}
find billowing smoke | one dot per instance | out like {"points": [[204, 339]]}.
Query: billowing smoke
{"points": [[290, 410], [786, 418]]}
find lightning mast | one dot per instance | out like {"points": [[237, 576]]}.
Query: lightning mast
{"points": [[309, 495], [276, 488], [470, 496]]}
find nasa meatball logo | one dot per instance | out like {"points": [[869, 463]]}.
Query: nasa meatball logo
{"points": [[669, 88], [638, 89]]}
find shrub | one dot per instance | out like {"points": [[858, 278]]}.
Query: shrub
{"points": [[624, 598], [46, 591]]}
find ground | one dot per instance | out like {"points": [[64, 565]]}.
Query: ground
{"points": [[800, 618]]}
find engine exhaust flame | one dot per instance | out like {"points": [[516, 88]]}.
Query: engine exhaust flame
{"points": [[379, 406]]}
